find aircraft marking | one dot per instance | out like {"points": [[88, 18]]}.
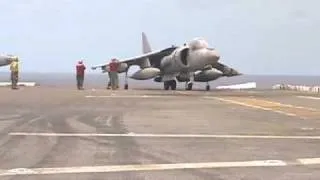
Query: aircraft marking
{"points": [[162, 135], [285, 109], [156, 167]]}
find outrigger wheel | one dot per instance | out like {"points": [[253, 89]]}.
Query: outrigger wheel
{"points": [[208, 87]]}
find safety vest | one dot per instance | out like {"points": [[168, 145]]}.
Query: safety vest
{"points": [[14, 66], [80, 68], [113, 66]]}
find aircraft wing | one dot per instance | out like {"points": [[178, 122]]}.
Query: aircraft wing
{"points": [[153, 58]]}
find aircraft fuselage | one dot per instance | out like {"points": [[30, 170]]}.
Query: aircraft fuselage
{"points": [[183, 62], [185, 59]]}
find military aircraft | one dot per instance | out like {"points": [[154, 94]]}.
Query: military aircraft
{"points": [[6, 59], [192, 62]]}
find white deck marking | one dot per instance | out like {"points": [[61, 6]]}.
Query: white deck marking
{"points": [[153, 167], [139, 167], [252, 106], [109, 121], [183, 92], [114, 96], [309, 97], [131, 96], [162, 135], [9, 116], [309, 161]]}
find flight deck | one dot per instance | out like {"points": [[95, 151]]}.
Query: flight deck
{"points": [[63, 133]]}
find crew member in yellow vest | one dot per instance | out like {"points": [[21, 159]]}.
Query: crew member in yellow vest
{"points": [[14, 68]]}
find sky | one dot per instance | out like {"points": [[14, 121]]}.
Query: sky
{"points": [[252, 36]]}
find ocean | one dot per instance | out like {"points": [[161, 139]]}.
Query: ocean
{"points": [[99, 80]]}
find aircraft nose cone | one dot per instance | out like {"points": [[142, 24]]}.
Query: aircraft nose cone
{"points": [[233, 72], [9, 60], [236, 73], [12, 58], [213, 55]]}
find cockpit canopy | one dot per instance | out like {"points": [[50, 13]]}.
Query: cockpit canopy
{"points": [[198, 43]]}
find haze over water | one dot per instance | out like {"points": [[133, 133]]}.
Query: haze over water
{"points": [[99, 80]]}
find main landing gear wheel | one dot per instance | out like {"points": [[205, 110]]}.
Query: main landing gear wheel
{"points": [[171, 83], [126, 86], [189, 86]]}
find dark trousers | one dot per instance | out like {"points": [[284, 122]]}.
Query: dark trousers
{"points": [[14, 80], [80, 80]]}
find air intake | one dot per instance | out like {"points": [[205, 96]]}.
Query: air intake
{"points": [[184, 55]]}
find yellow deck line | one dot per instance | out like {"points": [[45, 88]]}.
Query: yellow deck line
{"points": [[286, 109]]}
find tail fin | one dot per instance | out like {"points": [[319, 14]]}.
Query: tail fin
{"points": [[145, 44]]}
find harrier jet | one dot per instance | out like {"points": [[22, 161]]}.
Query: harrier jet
{"points": [[193, 62]]}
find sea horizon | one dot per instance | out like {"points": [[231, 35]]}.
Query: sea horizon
{"points": [[99, 80]]}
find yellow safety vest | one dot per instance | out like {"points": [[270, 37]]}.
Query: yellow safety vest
{"points": [[14, 67]]}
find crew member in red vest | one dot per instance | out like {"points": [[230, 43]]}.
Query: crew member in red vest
{"points": [[80, 69], [114, 79]]}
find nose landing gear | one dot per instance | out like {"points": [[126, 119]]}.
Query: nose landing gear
{"points": [[189, 86], [208, 87]]}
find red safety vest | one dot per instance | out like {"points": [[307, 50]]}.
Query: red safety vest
{"points": [[113, 66], [80, 69]]}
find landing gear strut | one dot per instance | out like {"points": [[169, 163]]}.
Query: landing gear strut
{"points": [[126, 85], [208, 86], [171, 83], [189, 83]]}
